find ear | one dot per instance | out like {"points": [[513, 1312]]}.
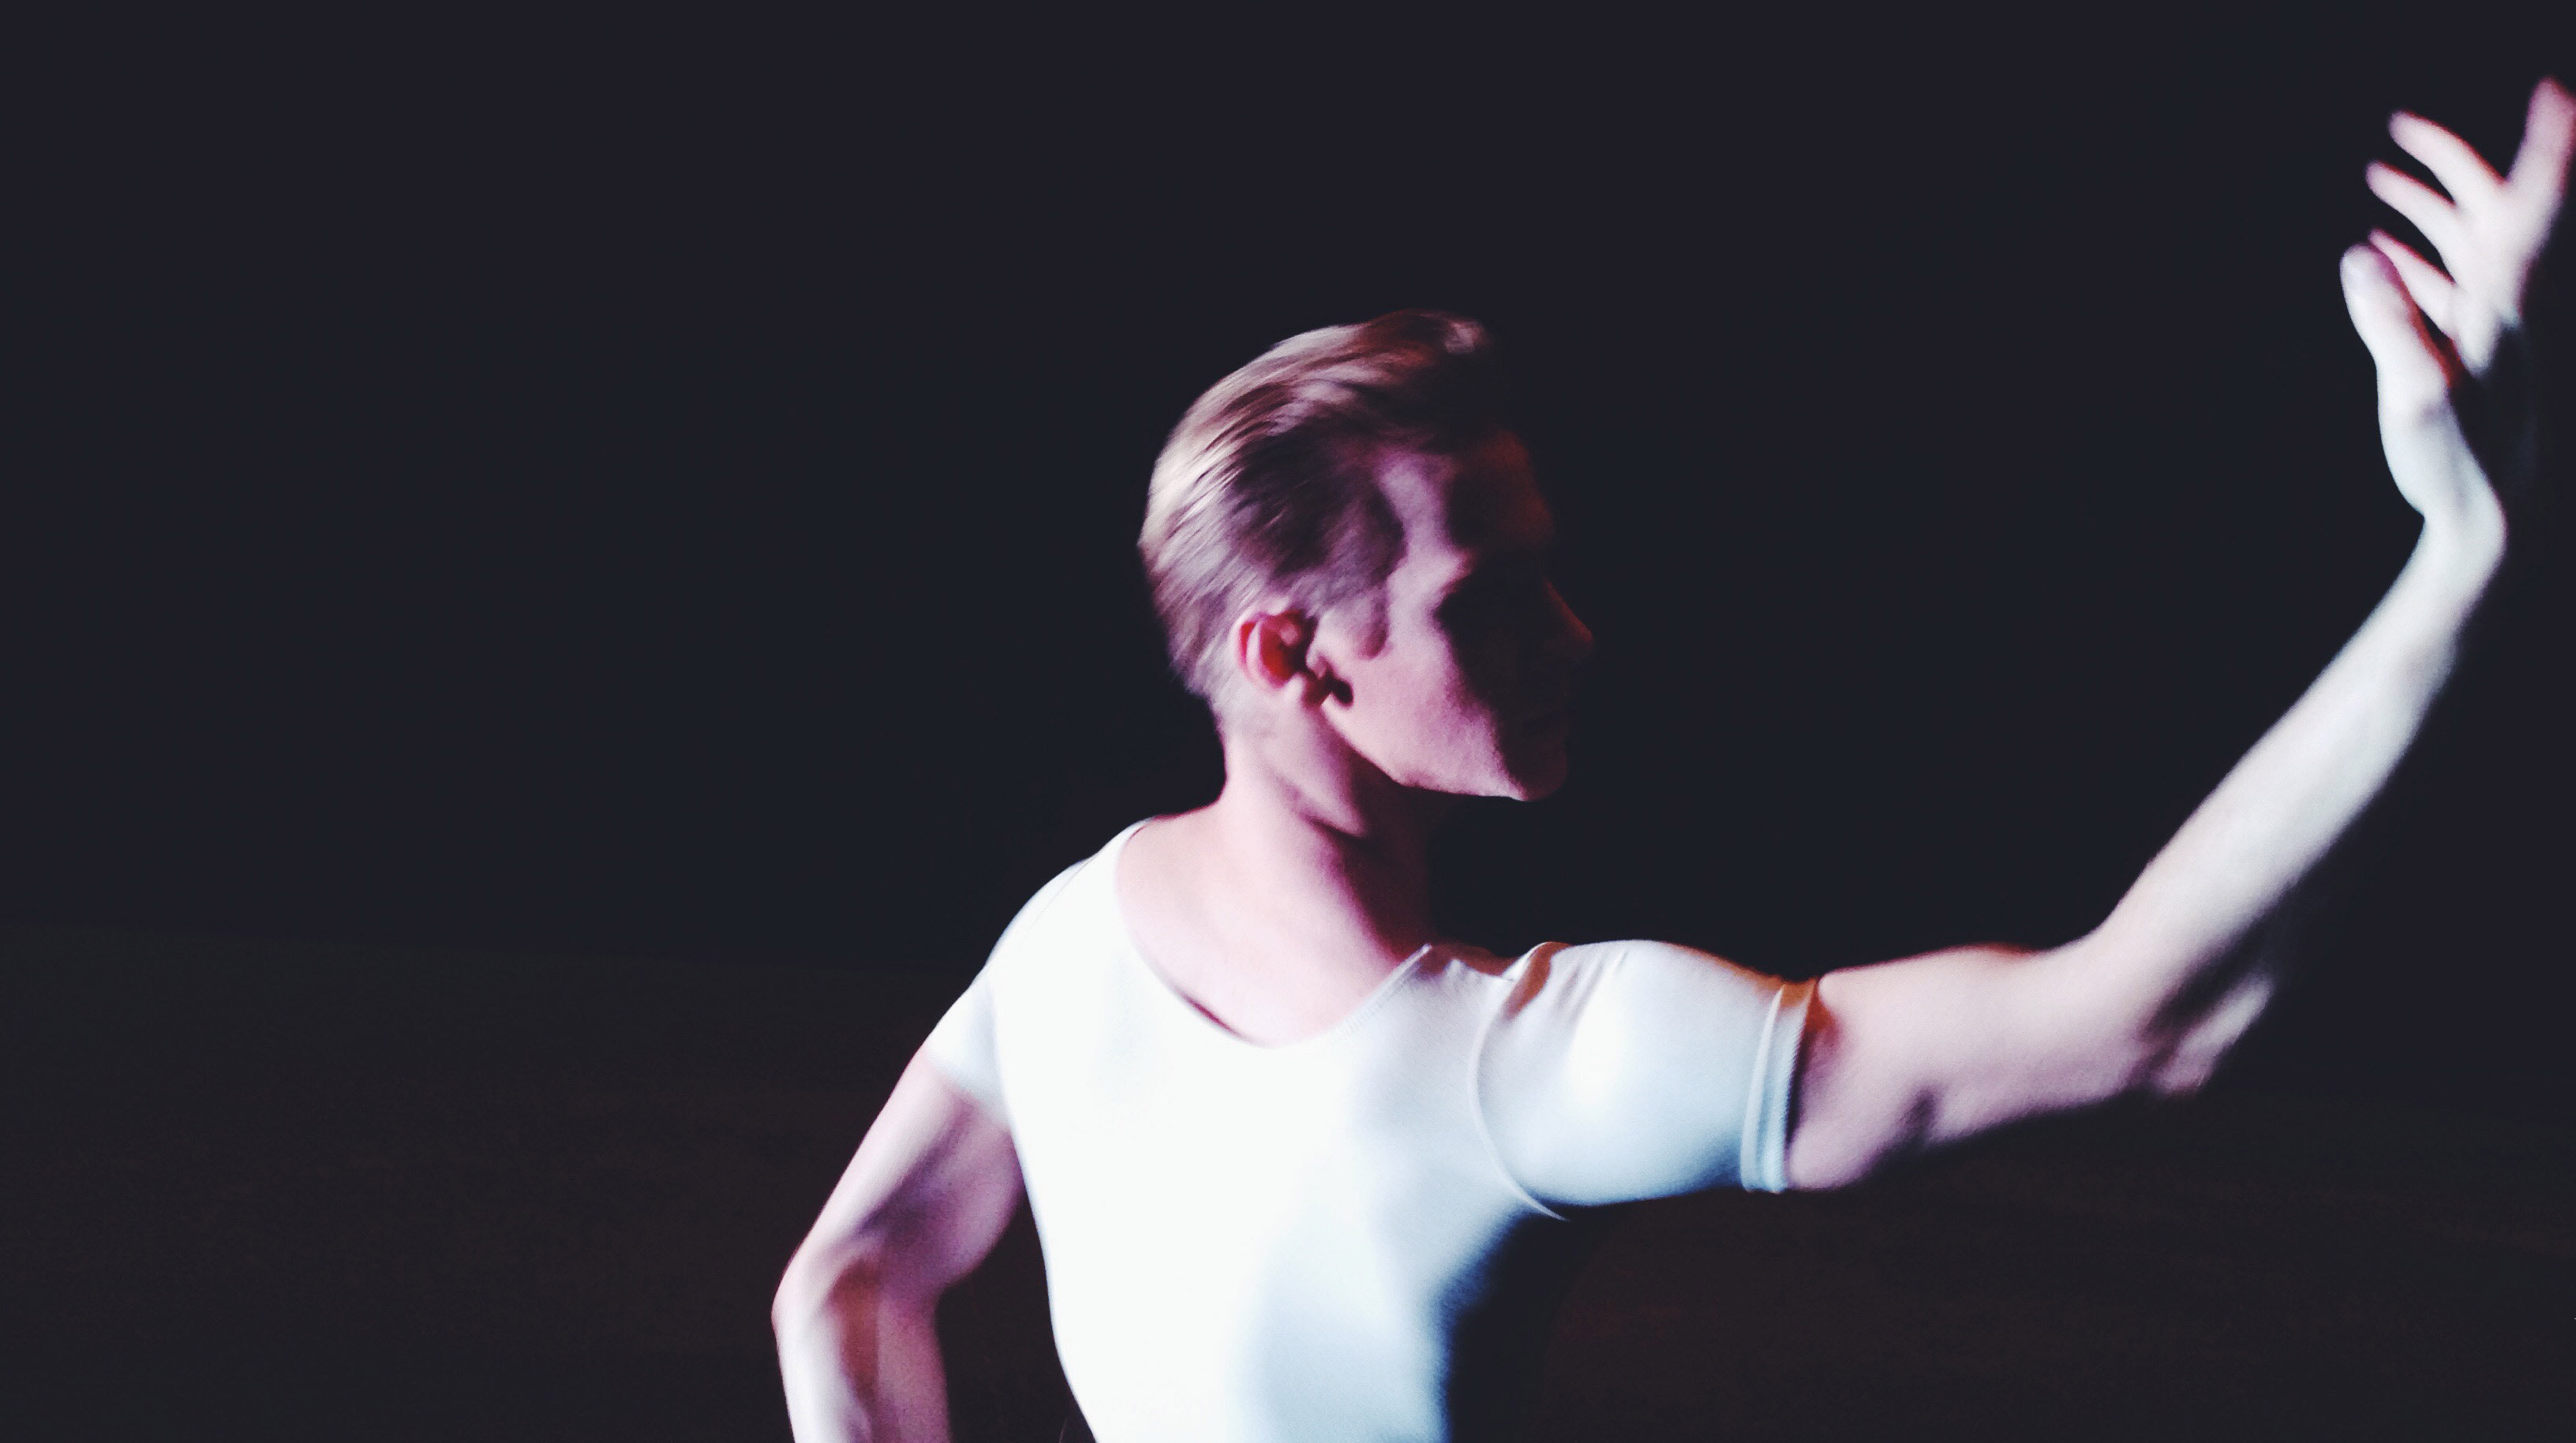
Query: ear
{"points": [[1274, 650]]}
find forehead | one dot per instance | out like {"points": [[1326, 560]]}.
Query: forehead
{"points": [[1459, 508]]}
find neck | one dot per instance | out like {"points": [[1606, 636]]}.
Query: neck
{"points": [[1323, 845]]}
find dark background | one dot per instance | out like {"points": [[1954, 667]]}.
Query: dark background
{"points": [[653, 490]]}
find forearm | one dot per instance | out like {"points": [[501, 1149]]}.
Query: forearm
{"points": [[861, 1362], [2300, 787], [1925, 1050]]}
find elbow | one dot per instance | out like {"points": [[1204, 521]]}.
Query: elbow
{"points": [[2124, 1025], [2178, 1060], [793, 1302], [822, 1280], [2170, 1074]]}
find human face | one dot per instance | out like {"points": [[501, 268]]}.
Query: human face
{"points": [[1469, 693]]}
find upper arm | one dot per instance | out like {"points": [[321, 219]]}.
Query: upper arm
{"points": [[1908, 1055], [936, 1178], [928, 1193], [1629, 1070]]}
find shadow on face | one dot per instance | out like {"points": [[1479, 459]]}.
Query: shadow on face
{"points": [[1485, 652]]}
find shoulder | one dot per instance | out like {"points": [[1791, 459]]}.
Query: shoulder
{"points": [[1081, 897], [1071, 928], [1613, 1007], [1554, 993], [1042, 905], [1560, 975], [1038, 963]]}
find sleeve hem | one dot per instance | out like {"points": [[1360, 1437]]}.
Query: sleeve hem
{"points": [[1764, 1165], [973, 1090]]}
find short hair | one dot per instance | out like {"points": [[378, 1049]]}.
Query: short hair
{"points": [[1270, 479]]}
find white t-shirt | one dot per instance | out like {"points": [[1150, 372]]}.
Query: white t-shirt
{"points": [[1341, 1238]]}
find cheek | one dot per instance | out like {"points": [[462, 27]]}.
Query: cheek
{"points": [[1447, 700], [1431, 715], [1490, 670]]}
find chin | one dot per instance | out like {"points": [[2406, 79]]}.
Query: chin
{"points": [[1535, 791], [1535, 759], [1537, 777]]}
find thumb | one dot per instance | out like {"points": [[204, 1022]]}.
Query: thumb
{"points": [[2413, 371]]}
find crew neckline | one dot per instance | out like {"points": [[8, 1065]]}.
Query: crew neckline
{"points": [[1195, 1016]]}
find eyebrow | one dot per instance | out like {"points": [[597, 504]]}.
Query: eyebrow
{"points": [[1500, 561], [1507, 547], [1492, 532]]}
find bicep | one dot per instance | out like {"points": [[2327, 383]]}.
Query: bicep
{"points": [[928, 1193], [1905, 1056], [1638, 1069]]}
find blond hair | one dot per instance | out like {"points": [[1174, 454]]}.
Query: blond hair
{"points": [[1269, 482]]}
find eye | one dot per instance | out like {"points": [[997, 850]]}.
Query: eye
{"points": [[1469, 607], [1495, 598]]}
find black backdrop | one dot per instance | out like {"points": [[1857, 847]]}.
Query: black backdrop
{"points": [[643, 489]]}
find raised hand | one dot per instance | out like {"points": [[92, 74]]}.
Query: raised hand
{"points": [[2433, 328], [1925, 1050]]}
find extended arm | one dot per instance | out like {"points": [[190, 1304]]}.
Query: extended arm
{"points": [[1911, 1054], [930, 1190]]}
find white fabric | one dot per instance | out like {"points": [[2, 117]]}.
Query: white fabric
{"points": [[1312, 1241]]}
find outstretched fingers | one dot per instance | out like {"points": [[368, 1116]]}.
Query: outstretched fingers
{"points": [[2484, 237], [2433, 292], [2420, 203], [2460, 169], [2548, 139]]}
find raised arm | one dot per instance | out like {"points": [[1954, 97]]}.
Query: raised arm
{"points": [[930, 1190], [1912, 1054]]}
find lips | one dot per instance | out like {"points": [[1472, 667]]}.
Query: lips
{"points": [[1552, 723]]}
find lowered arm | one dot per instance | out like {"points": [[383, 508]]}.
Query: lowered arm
{"points": [[927, 1195]]}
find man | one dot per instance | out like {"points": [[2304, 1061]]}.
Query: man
{"points": [[1295, 1159]]}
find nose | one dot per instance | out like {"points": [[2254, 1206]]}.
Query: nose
{"points": [[1571, 646]]}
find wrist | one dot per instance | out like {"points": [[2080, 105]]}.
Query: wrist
{"points": [[2466, 541]]}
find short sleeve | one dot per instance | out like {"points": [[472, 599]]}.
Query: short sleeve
{"points": [[1629, 1070], [961, 1046], [965, 1046]]}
